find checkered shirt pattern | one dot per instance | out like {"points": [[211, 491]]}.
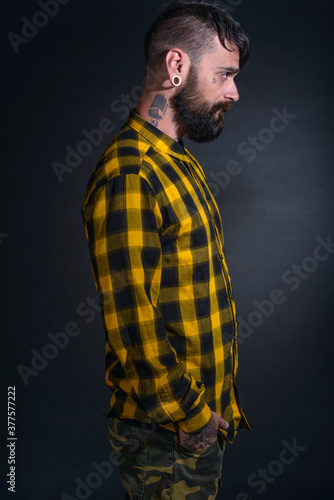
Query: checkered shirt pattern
{"points": [[158, 262]]}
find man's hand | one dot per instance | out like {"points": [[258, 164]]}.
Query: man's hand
{"points": [[205, 438]]}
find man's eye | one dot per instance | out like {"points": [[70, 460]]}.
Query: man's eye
{"points": [[225, 75]]}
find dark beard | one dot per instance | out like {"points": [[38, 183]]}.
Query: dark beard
{"points": [[201, 121]]}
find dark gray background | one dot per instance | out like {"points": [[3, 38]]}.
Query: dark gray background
{"points": [[63, 81]]}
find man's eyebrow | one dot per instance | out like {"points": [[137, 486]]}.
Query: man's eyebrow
{"points": [[228, 69]]}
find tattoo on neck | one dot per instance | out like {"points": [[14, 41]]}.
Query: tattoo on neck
{"points": [[159, 104], [214, 81]]}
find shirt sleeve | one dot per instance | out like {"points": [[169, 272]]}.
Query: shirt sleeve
{"points": [[123, 225]]}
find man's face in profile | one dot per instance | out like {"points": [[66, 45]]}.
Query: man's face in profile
{"points": [[208, 94]]}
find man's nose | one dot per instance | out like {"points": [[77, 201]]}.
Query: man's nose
{"points": [[231, 92]]}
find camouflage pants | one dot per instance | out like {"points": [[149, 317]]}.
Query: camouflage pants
{"points": [[154, 466]]}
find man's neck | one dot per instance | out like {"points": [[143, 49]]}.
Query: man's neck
{"points": [[155, 108]]}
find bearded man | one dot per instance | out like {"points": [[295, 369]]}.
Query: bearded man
{"points": [[158, 261]]}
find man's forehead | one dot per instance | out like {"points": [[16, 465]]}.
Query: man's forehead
{"points": [[221, 57]]}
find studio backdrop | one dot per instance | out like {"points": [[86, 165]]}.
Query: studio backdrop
{"points": [[71, 71]]}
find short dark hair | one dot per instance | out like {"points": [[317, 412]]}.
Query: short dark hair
{"points": [[192, 26]]}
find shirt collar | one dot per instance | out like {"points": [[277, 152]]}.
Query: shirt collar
{"points": [[156, 137]]}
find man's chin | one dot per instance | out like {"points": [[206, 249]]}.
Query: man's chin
{"points": [[200, 139], [220, 116]]}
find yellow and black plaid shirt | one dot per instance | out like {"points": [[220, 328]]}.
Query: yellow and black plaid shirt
{"points": [[157, 254]]}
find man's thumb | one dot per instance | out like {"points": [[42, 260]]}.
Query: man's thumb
{"points": [[223, 424]]}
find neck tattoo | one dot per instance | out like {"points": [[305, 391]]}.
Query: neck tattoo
{"points": [[158, 109]]}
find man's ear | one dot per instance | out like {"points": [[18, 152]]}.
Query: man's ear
{"points": [[177, 65]]}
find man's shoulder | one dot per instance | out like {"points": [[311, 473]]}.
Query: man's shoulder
{"points": [[126, 154]]}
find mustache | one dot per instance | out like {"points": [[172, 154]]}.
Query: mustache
{"points": [[224, 106]]}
